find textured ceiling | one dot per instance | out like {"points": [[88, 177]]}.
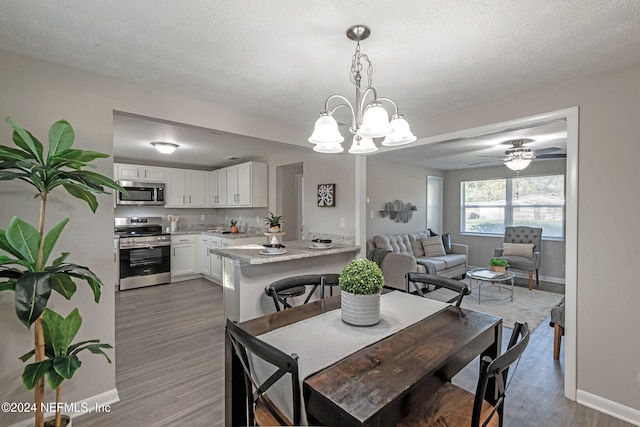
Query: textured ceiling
{"points": [[282, 58]]}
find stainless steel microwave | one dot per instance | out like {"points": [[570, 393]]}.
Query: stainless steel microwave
{"points": [[141, 193]]}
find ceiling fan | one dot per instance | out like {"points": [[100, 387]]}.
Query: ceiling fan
{"points": [[518, 151]]}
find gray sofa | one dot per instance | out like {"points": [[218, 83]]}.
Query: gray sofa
{"points": [[407, 255]]}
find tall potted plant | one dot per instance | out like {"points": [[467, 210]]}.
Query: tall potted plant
{"points": [[24, 269], [361, 282]]}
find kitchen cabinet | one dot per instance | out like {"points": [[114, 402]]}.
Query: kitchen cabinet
{"points": [[126, 172], [212, 264], [184, 188], [205, 256], [218, 188], [184, 256], [246, 185]]}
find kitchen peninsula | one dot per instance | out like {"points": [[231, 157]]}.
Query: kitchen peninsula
{"points": [[246, 272]]}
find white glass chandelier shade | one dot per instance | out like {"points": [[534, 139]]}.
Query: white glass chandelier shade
{"points": [[362, 145], [401, 132], [165, 147], [375, 123], [369, 118], [326, 130], [517, 164]]}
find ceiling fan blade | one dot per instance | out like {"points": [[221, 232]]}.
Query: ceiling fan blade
{"points": [[552, 156], [546, 151], [481, 163]]}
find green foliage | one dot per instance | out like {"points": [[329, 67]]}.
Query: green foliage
{"points": [[498, 262], [31, 282], [361, 276], [63, 166], [273, 220], [61, 360], [234, 222]]}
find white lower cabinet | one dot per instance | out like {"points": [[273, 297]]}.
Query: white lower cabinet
{"points": [[184, 256], [214, 269]]}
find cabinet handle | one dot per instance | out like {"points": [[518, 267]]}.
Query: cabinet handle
{"points": [[174, 251], [183, 200], [145, 173], [189, 199]]}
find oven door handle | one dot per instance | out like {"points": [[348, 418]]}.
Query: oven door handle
{"points": [[144, 246]]}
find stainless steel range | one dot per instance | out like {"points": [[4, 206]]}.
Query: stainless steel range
{"points": [[145, 252]]}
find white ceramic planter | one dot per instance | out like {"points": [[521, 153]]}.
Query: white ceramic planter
{"points": [[360, 310]]}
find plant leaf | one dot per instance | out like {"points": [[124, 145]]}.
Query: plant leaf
{"points": [[24, 238], [61, 136], [8, 286], [61, 258], [32, 293], [6, 246], [27, 356], [59, 331], [34, 371], [95, 349], [80, 272], [23, 139], [10, 153], [81, 194], [10, 176], [54, 379], [62, 284], [51, 239], [66, 366]]}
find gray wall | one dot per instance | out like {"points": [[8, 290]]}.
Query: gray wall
{"points": [[481, 247]]}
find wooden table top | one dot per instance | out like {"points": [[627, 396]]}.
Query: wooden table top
{"points": [[381, 383]]}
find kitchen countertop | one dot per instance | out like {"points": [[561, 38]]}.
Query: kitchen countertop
{"points": [[296, 249], [217, 234]]}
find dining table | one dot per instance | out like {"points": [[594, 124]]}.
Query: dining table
{"points": [[381, 383]]}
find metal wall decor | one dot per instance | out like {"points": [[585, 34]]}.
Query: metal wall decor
{"points": [[327, 195], [398, 211]]}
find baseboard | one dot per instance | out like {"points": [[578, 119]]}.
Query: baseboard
{"points": [[85, 406], [608, 407], [558, 280]]}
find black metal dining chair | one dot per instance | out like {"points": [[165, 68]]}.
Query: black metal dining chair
{"points": [[281, 290], [260, 410], [329, 280], [454, 406], [418, 279]]}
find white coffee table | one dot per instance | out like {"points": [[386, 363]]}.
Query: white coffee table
{"points": [[481, 277]]}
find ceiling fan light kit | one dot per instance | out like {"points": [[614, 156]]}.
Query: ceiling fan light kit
{"points": [[368, 119], [165, 147]]}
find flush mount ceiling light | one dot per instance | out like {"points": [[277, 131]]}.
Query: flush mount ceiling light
{"points": [[368, 119], [165, 147]]}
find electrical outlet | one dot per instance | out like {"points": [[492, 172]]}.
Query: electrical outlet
{"points": [[562, 267], [370, 214], [201, 217], [257, 218], [342, 223]]}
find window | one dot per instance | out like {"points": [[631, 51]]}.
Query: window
{"points": [[488, 206]]}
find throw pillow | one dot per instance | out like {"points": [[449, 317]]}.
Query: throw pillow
{"points": [[446, 242], [431, 232], [433, 247], [518, 249]]}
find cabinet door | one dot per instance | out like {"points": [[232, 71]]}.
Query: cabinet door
{"points": [[183, 261], [195, 188], [232, 186], [151, 174], [127, 172], [205, 256], [214, 194], [244, 184], [216, 262], [222, 188], [175, 188]]}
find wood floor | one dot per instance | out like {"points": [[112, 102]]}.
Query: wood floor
{"points": [[170, 366]]}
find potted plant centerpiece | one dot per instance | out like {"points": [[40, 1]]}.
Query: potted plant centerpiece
{"points": [[361, 282], [234, 226], [25, 252], [273, 221], [498, 265]]}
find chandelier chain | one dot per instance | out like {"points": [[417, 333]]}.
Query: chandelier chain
{"points": [[356, 69]]}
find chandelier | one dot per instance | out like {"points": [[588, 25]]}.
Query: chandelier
{"points": [[369, 119]]}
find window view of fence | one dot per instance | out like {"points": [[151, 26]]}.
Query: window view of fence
{"points": [[488, 206]]}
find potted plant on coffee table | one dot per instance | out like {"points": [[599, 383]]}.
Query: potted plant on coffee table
{"points": [[498, 265], [25, 269], [361, 282]]}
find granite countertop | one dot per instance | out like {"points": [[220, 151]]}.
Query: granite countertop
{"points": [[217, 234], [297, 249]]}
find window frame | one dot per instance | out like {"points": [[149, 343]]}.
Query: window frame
{"points": [[508, 207]]}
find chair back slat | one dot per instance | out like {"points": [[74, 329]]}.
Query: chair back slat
{"points": [[244, 344], [276, 289], [438, 281]]}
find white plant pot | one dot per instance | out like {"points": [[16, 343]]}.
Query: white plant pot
{"points": [[360, 310]]}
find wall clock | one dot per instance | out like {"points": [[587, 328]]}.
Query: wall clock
{"points": [[327, 195]]}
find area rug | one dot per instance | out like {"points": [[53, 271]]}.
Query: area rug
{"points": [[528, 306]]}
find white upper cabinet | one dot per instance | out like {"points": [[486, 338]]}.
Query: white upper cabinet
{"points": [[185, 188], [126, 172], [218, 188], [246, 185]]}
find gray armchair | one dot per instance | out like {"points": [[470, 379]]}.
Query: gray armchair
{"points": [[523, 235]]}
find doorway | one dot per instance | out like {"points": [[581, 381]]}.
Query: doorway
{"points": [[289, 199]]}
